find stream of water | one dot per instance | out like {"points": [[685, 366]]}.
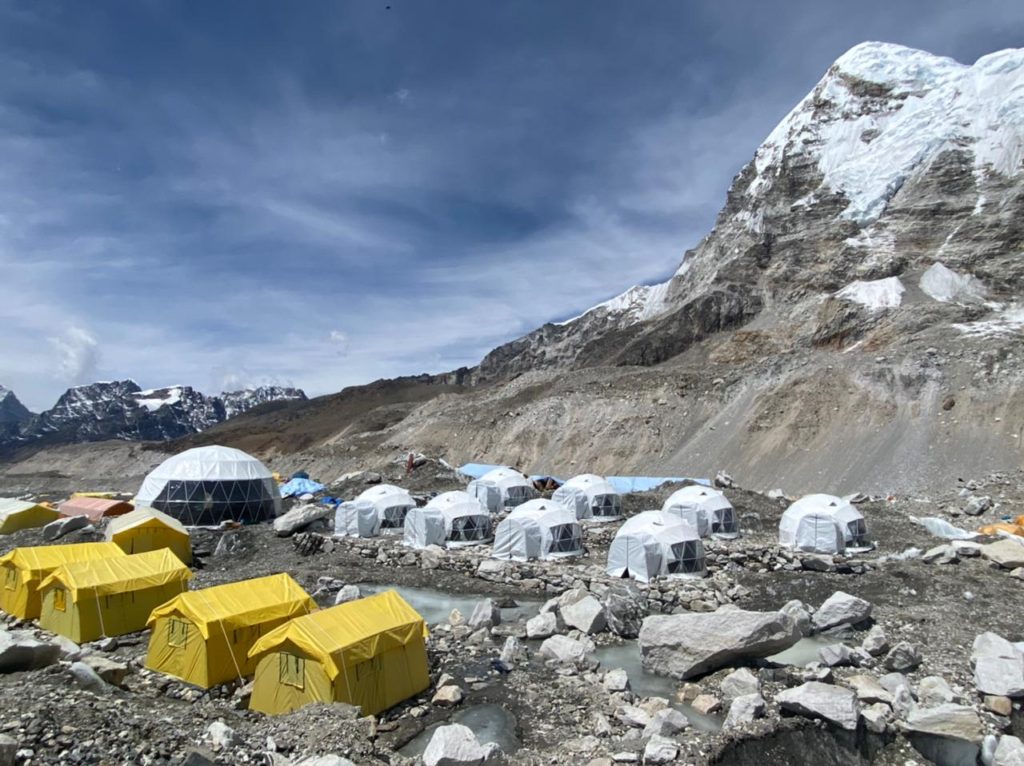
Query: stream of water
{"points": [[435, 605]]}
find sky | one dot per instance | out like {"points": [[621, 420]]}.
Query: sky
{"points": [[322, 194]]}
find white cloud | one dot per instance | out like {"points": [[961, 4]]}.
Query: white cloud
{"points": [[78, 355]]}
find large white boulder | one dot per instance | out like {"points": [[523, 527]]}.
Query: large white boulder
{"points": [[586, 615], [454, 745], [57, 528], [998, 666], [744, 710], [1006, 553], [817, 700], [542, 625], [21, 651], [299, 518], [688, 645], [566, 650], [485, 615], [841, 609], [949, 721], [1009, 752], [739, 683]]}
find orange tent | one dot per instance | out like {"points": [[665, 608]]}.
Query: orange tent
{"points": [[95, 508]]}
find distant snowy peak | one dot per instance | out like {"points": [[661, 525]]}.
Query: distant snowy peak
{"points": [[12, 411], [637, 304], [882, 111], [237, 402], [155, 398]]}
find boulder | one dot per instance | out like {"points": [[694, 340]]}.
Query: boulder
{"points": [[511, 651], [431, 557], [447, 696], [57, 528], [841, 609], [933, 690], [324, 760], [868, 689], [666, 723], [21, 651], [940, 554], [739, 683], [949, 721], [565, 650], [300, 517], [998, 666], [877, 717], [691, 644], [999, 705], [817, 700], [8, 750], [977, 505], [454, 745], [706, 704], [1009, 752], [660, 750], [485, 615], [875, 643], [800, 614], [633, 716], [724, 480], [542, 626], [622, 609], [347, 593], [902, 658], [221, 736], [836, 655], [616, 680], [111, 671], [69, 650], [492, 569], [744, 710], [1006, 553], [586, 615]]}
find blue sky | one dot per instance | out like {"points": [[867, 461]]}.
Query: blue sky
{"points": [[325, 193]]}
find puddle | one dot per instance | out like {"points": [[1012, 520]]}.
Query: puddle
{"points": [[435, 605], [645, 684], [803, 651], [490, 723]]}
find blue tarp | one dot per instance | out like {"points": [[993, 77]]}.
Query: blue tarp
{"points": [[295, 487], [622, 484]]}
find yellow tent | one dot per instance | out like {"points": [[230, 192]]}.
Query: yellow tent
{"points": [[995, 529], [24, 568], [87, 600], [147, 529], [101, 495], [18, 514], [204, 636], [369, 653]]}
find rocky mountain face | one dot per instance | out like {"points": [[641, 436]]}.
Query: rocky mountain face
{"points": [[123, 410], [12, 412], [898, 164]]}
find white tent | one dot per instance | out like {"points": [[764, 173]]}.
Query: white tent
{"points": [[590, 497], [451, 519], [809, 525], [706, 509], [851, 521], [356, 518], [501, 489], [392, 504], [208, 485], [655, 543], [538, 529]]}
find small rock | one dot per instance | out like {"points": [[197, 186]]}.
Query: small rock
{"points": [[542, 626], [902, 658], [485, 615], [706, 704], [875, 642], [660, 750], [347, 593], [633, 716], [1009, 752], [841, 609], [666, 723], [564, 649], [744, 710], [1006, 553], [933, 690], [454, 745], [817, 700], [997, 704], [221, 736], [447, 696], [876, 717], [616, 680], [739, 683]]}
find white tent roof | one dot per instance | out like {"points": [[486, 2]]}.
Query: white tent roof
{"points": [[506, 477], [592, 484], [811, 524], [643, 546], [660, 525], [387, 496], [704, 498], [546, 513], [214, 463], [538, 529], [457, 503]]}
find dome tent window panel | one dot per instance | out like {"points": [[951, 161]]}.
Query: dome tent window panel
{"points": [[566, 538], [469, 529], [606, 505], [687, 558], [519, 495], [723, 521], [857, 530], [394, 517]]}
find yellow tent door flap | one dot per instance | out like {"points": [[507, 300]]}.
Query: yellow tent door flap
{"points": [[204, 636], [87, 600], [370, 652], [23, 569]]}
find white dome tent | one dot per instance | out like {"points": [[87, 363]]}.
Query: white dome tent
{"points": [[707, 509], [392, 504], [590, 497], [538, 529], [851, 521], [502, 488], [653, 544], [356, 518], [809, 525], [209, 485], [452, 519]]}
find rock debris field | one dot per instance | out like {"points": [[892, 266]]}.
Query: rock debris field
{"points": [[905, 654]]}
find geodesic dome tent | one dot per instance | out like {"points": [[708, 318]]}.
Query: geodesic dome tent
{"points": [[538, 529], [706, 509], [851, 521], [452, 519], [590, 497], [809, 525], [391, 503], [655, 543], [208, 485], [501, 489]]}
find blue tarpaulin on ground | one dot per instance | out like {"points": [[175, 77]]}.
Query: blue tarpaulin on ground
{"points": [[296, 487], [622, 484]]}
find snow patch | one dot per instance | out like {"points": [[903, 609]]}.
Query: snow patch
{"points": [[1007, 323], [876, 295], [155, 398], [945, 285], [637, 304]]}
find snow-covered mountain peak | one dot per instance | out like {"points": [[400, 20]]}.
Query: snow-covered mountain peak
{"points": [[896, 65], [636, 304]]}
